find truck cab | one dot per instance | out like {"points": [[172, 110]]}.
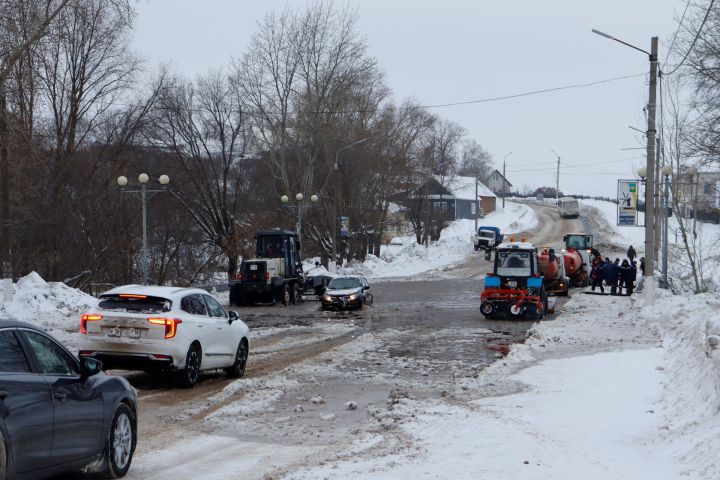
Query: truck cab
{"points": [[273, 274], [487, 238]]}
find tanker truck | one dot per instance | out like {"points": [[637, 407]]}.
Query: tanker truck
{"points": [[552, 268], [577, 258]]}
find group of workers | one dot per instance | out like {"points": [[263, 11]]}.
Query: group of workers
{"points": [[615, 275]]}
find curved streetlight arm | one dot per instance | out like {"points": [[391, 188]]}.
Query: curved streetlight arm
{"points": [[336, 166], [603, 34]]}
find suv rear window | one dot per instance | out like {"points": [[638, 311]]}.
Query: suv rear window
{"points": [[135, 303]]}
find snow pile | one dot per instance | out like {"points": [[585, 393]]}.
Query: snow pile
{"points": [[690, 327], [455, 244], [51, 305], [621, 236]]}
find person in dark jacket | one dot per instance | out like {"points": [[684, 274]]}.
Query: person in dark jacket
{"points": [[626, 275], [642, 266], [631, 254], [610, 272], [596, 274]]}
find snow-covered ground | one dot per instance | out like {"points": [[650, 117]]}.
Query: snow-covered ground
{"points": [[411, 259]]}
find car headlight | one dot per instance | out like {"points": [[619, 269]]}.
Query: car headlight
{"points": [[327, 298], [354, 296]]}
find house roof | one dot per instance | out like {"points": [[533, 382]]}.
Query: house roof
{"points": [[463, 188], [503, 177]]}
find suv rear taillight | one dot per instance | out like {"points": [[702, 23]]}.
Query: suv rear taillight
{"points": [[88, 317], [239, 276], [170, 325], [267, 277]]}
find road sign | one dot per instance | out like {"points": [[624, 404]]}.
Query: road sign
{"points": [[627, 202]]}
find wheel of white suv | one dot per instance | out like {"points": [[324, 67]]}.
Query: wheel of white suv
{"points": [[121, 443], [241, 356], [191, 373]]}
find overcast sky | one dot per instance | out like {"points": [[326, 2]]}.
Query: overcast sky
{"points": [[459, 50]]}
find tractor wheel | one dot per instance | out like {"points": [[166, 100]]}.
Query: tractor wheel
{"points": [[285, 295], [487, 309], [295, 296]]}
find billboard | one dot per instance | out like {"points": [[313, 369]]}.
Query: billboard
{"points": [[627, 202], [344, 226]]}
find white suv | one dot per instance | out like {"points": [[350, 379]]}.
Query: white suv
{"points": [[165, 328]]}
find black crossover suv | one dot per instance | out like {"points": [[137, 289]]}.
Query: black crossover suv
{"points": [[58, 413]]}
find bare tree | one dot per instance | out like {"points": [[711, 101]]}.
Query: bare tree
{"points": [[22, 24], [205, 128], [475, 161]]}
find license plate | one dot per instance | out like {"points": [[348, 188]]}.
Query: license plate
{"points": [[114, 332], [253, 267], [133, 332], [512, 284]]}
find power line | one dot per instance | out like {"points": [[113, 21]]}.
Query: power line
{"points": [[672, 43], [697, 35], [525, 94]]}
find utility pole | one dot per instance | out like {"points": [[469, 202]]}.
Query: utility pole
{"points": [[557, 182], [503, 180], [477, 210], [651, 186], [658, 200], [557, 178]]}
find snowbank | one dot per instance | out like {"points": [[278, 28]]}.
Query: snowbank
{"points": [[51, 305], [411, 259]]}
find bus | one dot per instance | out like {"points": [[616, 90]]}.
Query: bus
{"points": [[568, 207]]}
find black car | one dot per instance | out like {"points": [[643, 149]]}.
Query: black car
{"points": [[58, 413], [346, 293]]}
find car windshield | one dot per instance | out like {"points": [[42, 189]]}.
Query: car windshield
{"points": [[513, 264], [487, 234], [135, 303], [343, 283]]}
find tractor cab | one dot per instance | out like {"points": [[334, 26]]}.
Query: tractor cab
{"points": [[578, 241], [281, 244], [515, 288]]}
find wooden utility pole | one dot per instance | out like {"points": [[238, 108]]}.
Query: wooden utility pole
{"points": [[651, 186]]}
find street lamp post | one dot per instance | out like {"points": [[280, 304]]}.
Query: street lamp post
{"points": [[143, 179], [666, 171], [336, 167], [299, 206], [503, 179], [650, 160]]}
